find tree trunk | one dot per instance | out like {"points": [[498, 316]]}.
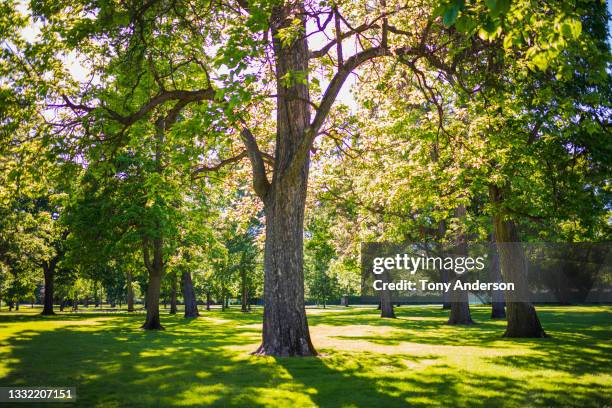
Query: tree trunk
{"points": [[130, 293], [285, 326], [62, 305], [173, 294], [521, 315], [49, 272], [208, 300], [156, 271], [243, 290], [460, 306], [386, 304], [189, 298], [498, 306], [444, 277]]}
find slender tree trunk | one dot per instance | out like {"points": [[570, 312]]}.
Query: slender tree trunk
{"points": [[49, 272], [521, 315], [130, 293], [173, 296], [445, 274], [460, 306], [208, 300], [156, 270], [445, 277], [244, 294], [62, 305], [498, 306], [191, 305]]}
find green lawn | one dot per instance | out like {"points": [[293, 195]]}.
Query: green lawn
{"points": [[415, 360]]}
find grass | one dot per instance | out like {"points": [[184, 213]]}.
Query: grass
{"points": [[415, 360]]}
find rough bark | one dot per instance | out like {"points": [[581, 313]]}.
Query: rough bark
{"points": [[521, 315], [173, 296], [189, 297], [498, 305], [49, 272], [285, 327], [130, 293], [156, 269], [459, 305]]}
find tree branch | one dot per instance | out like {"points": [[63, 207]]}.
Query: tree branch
{"points": [[261, 185], [218, 166]]}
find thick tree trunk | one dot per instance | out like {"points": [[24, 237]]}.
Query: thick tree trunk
{"points": [[189, 298], [498, 306], [285, 327], [156, 271], [130, 293], [459, 305], [152, 321], [521, 315], [173, 296], [49, 272]]}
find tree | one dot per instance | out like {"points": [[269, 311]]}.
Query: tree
{"points": [[321, 285]]}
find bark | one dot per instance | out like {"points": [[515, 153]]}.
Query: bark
{"points": [[49, 272], [459, 305], [62, 305], [444, 277], [156, 269], [522, 318], [244, 295], [208, 300], [173, 296], [130, 293], [386, 304], [285, 326], [498, 306], [189, 297]]}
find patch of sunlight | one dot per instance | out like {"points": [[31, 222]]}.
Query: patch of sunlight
{"points": [[273, 397], [419, 364], [203, 374], [250, 326], [148, 369], [198, 395], [216, 320]]}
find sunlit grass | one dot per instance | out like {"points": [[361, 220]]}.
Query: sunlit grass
{"points": [[415, 360]]}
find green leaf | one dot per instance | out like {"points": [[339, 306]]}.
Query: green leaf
{"points": [[450, 15]]}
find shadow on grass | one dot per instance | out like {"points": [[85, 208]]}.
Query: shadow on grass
{"points": [[201, 362]]}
